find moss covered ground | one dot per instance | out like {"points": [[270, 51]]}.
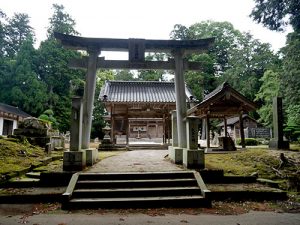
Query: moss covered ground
{"points": [[263, 163], [16, 155]]}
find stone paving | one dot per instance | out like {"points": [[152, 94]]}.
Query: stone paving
{"points": [[136, 161]]}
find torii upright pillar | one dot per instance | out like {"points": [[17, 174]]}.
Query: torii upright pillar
{"points": [[89, 93], [88, 102], [180, 97]]}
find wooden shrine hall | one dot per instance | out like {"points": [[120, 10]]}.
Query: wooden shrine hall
{"points": [[140, 110], [222, 103]]}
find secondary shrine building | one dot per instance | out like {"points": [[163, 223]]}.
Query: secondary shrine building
{"points": [[140, 110]]}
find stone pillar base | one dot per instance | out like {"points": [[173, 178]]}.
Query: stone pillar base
{"points": [[175, 154], [193, 159], [276, 144], [91, 156], [74, 160]]}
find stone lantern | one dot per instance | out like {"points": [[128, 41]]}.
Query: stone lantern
{"points": [[106, 142]]}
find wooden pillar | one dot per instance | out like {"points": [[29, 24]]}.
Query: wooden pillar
{"points": [[242, 130], [164, 129], [112, 123], [225, 126], [168, 129], [207, 132], [127, 127]]}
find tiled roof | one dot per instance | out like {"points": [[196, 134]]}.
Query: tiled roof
{"points": [[139, 91], [224, 100], [216, 91], [13, 110]]}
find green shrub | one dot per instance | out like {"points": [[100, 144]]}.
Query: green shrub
{"points": [[248, 141]]}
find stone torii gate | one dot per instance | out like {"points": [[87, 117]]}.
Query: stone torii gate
{"points": [[136, 49]]}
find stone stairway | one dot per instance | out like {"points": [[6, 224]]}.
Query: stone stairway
{"points": [[136, 190]]}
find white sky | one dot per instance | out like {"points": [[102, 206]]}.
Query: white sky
{"points": [[152, 19]]}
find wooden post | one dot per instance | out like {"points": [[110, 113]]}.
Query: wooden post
{"points": [[127, 127], [164, 129], [207, 132], [225, 126], [242, 130], [112, 121]]}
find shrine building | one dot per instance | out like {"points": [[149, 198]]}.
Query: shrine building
{"points": [[139, 111]]}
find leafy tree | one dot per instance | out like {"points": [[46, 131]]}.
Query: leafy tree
{"points": [[61, 22], [152, 75], [102, 76], [226, 39], [203, 82], [289, 78], [268, 90], [235, 57], [17, 31], [48, 116], [99, 111], [276, 14], [248, 63], [2, 33], [54, 70], [124, 75], [27, 90]]}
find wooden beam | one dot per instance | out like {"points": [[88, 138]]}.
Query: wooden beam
{"points": [[125, 64], [110, 44]]}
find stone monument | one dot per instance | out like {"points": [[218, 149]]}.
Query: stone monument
{"points": [[278, 142], [193, 158], [75, 159]]}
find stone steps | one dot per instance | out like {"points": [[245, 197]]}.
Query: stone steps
{"points": [[139, 202], [138, 190]]}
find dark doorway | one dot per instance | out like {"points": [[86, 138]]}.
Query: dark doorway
{"points": [[8, 127]]}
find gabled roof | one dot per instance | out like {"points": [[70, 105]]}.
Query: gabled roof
{"points": [[234, 120], [13, 110], [223, 101], [140, 91]]}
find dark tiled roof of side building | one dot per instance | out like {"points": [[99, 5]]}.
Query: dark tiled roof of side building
{"points": [[140, 91], [13, 110]]}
